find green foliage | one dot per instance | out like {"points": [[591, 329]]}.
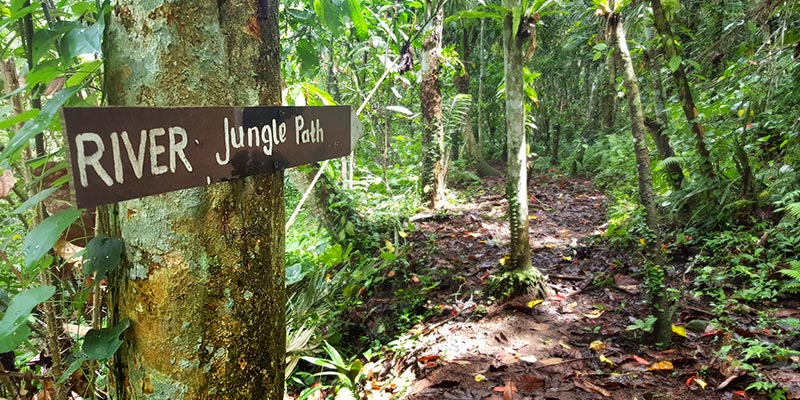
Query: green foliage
{"points": [[793, 273], [14, 328], [101, 344]]}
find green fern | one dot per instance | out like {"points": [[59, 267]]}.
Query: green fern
{"points": [[794, 274]]}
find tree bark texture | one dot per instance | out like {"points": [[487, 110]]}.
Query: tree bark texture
{"points": [[434, 162], [203, 284], [608, 91], [517, 187], [684, 90], [662, 330]]}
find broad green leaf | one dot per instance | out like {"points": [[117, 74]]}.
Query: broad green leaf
{"points": [[86, 70], [516, 19], [45, 235], [37, 125], [16, 119], [44, 73], [101, 344], [357, 16], [322, 97], [83, 39], [102, 256], [33, 200], [309, 56], [674, 63], [14, 326]]}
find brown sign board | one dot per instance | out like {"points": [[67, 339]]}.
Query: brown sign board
{"points": [[122, 153]]}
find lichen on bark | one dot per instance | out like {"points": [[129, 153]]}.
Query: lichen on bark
{"points": [[204, 283]]}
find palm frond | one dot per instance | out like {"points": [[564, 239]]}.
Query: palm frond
{"points": [[455, 115]]}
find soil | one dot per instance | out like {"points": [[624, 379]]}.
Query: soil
{"points": [[574, 345]]}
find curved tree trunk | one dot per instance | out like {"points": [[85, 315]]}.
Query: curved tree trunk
{"points": [[662, 329], [434, 163], [204, 283], [684, 91], [517, 185], [657, 128]]}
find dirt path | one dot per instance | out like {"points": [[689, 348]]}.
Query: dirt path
{"points": [[574, 345]]}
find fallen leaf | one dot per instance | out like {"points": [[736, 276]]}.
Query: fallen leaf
{"points": [[662, 366], [479, 378], [597, 345], [428, 357], [594, 314], [529, 359], [551, 361], [679, 330], [626, 283], [564, 345], [591, 388], [534, 303], [640, 360], [605, 359], [700, 383], [414, 278], [402, 234]]}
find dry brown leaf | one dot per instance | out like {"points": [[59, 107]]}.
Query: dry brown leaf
{"points": [[591, 387], [626, 283]]}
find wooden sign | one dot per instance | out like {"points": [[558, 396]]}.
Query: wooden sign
{"points": [[121, 153]]}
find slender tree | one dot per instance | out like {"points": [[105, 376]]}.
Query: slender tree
{"points": [[434, 158], [659, 126], [204, 285], [519, 261], [662, 328], [682, 84]]}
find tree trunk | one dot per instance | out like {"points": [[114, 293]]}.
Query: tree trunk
{"points": [[608, 92], [517, 187], [203, 287], [657, 128], [684, 91], [662, 329], [434, 163], [472, 151]]}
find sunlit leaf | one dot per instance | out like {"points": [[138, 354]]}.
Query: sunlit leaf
{"points": [[479, 378], [36, 125], [44, 236], [661, 366], [679, 330], [597, 345], [534, 303], [605, 359]]}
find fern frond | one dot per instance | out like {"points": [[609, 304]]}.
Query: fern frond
{"points": [[456, 114], [793, 273], [674, 160], [793, 210]]}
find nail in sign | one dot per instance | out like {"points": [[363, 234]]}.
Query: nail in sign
{"points": [[121, 153]]}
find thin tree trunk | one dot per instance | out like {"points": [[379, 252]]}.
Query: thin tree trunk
{"points": [[203, 287], [517, 186], [472, 151], [662, 329], [433, 151], [657, 128], [608, 91], [684, 90]]}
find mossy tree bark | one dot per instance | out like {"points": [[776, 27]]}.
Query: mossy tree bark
{"points": [[203, 285], [434, 158], [517, 188], [662, 329]]}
